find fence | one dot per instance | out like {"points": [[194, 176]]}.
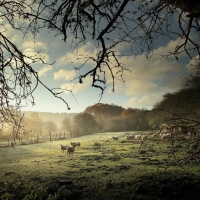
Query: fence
{"points": [[36, 139]]}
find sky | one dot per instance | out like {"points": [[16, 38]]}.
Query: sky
{"points": [[144, 84]]}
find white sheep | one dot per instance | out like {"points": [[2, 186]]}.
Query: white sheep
{"points": [[63, 147], [70, 150], [161, 134], [137, 137], [155, 135], [166, 136], [130, 137], [115, 138]]}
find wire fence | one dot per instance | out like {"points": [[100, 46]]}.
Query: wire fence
{"points": [[34, 139]]}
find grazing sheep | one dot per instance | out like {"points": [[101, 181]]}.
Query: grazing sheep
{"points": [[63, 148], [115, 138], [12, 144], [161, 134], [166, 136], [78, 144], [144, 137], [130, 137], [137, 137], [70, 150], [73, 144]]}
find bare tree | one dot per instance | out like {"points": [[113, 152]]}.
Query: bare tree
{"points": [[50, 127], [18, 79], [132, 22], [141, 21], [67, 125]]}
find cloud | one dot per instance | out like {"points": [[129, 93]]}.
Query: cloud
{"points": [[146, 101], [153, 69], [64, 74], [147, 76], [171, 85], [36, 55], [34, 45], [87, 50], [193, 64], [44, 70], [136, 87], [76, 87]]}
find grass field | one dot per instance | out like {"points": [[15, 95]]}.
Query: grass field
{"points": [[101, 168]]}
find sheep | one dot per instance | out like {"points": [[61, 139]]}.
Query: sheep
{"points": [[166, 136], [115, 138], [155, 135], [12, 144], [78, 144], [74, 144], [137, 137], [130, 137], [70, 150], [161, 134], [63, 148]]}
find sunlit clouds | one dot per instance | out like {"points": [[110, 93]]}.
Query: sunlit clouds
{"points": [[34, 45], [149, 79], [145, 81], [84, 53], [64, 74], [146, 101], [141, 86], [75, 87], [192, 65], [138, 87], [43, 71]]}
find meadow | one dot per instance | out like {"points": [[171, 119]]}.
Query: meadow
{"points": [[100, 169]]}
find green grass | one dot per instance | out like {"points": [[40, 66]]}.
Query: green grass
{"points": [[100, 169]]}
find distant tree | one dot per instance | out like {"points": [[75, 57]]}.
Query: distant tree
{"points": [[192, 80], [129, 111], [105, 111], [34, 123], [17, 126], [115, 124], [131, 120], [50, 127], [66, 125], [84, 124], [179, 107]]}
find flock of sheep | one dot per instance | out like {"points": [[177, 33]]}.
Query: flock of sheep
{"points": [[170, 135], [130, 137], [70, 149], [162, 136]]}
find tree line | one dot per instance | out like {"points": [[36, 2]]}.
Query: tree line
{"points": [[178, 107]]}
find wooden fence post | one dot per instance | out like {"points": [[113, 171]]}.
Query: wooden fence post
{"points": [[37, 138]]}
